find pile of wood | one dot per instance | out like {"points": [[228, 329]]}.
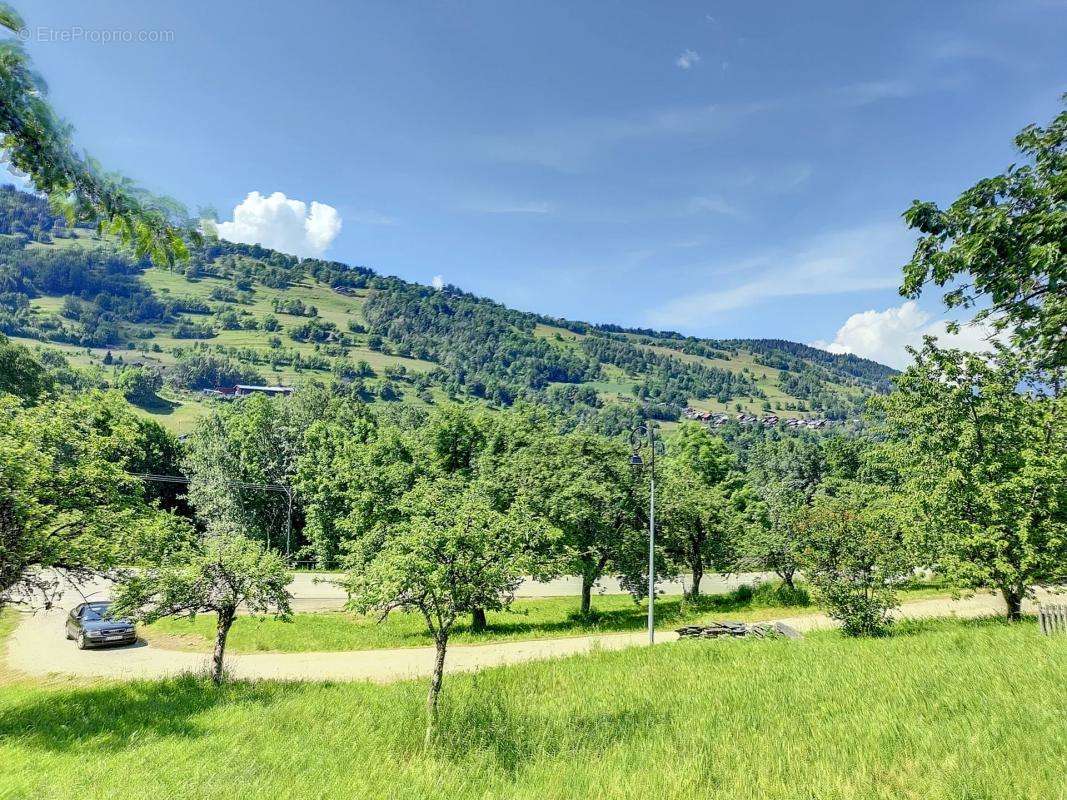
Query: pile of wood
{"points": [[760, 630], [1052, 619]]}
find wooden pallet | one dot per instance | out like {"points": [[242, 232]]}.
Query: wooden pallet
{"points": [[1052, 619]]}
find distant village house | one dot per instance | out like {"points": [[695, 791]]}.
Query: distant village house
{"points": [[245, 389]]}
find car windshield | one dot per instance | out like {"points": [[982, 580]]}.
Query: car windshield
{"points": [[94, 613]]}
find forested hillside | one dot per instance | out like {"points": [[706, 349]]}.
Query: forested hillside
{"points": [[238, 313]]}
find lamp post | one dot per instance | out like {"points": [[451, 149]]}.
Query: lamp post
{"points": [[266, 487], [642, 436]]}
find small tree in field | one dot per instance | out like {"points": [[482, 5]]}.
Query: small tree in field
{"points": [[852, 551], [583, 485], [452, 554], [215, 574], [699, 502], [769, 539]]}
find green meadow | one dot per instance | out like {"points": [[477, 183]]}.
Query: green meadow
{"points": [[938, 710], [539, 618]]}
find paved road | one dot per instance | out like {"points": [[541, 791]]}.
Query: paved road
{"points": [[37, 647], [319, 591]]}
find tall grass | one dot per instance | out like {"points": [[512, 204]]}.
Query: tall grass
{"points": [[938, 710]]}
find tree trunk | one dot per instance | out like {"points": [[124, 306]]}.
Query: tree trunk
{"points": [[696, 566], [222, 630], [587, 595], [787, 578], [478, 623], [435, 688], [1013, 599]]}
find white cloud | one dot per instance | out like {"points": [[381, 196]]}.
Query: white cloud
{"points": [[849, 260], [687, 59], [865, 93], [371, 217], [283, 224], [884, 335], [438, 282], [716, 204], [569, 145], [538, 207]]}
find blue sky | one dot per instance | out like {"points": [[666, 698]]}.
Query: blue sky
{"points": [[722, 169]]}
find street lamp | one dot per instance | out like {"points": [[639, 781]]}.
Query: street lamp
{"points": [[643, 436], [266, 487]]}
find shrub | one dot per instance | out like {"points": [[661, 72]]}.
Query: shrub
{"points": [[192, 330], [853, 554], [776, 593]]}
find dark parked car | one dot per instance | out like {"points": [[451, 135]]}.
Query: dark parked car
{"points": [[88, 624]]}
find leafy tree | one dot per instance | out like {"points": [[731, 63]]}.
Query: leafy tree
{"points": [[455, 438], [583, 486], [1001, 245], [257, 441], [21, 374], [66, 500], [201, 370], [698, 501], [983, 458], [147, 447], [797, 463], [39, 144], [352, 476], [769, 537], [784, 473], [853, 552], [140, 384], [450, 554], [213, 574]]}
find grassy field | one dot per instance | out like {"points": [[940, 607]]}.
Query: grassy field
{"points": [[541, 618], [937, 711]]}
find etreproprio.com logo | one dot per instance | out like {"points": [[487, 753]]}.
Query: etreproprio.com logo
{"points": [[79, 34]]}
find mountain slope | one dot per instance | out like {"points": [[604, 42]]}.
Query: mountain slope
{"points": [[240, 313]]}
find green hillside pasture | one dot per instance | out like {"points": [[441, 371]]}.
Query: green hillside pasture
{"points": [[566, 339], [766, 379], [940, 711], [178, 412], [332, 307], [47, 305]]}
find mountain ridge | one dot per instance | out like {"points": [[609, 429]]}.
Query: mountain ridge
{"points": [[239, 311]]}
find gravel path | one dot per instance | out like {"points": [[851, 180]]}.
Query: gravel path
{"points": [[38, 647]]}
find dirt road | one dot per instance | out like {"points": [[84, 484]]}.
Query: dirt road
{"points": [[38, 647]]}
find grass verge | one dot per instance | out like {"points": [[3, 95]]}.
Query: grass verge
{"points": [[940, 710]]}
